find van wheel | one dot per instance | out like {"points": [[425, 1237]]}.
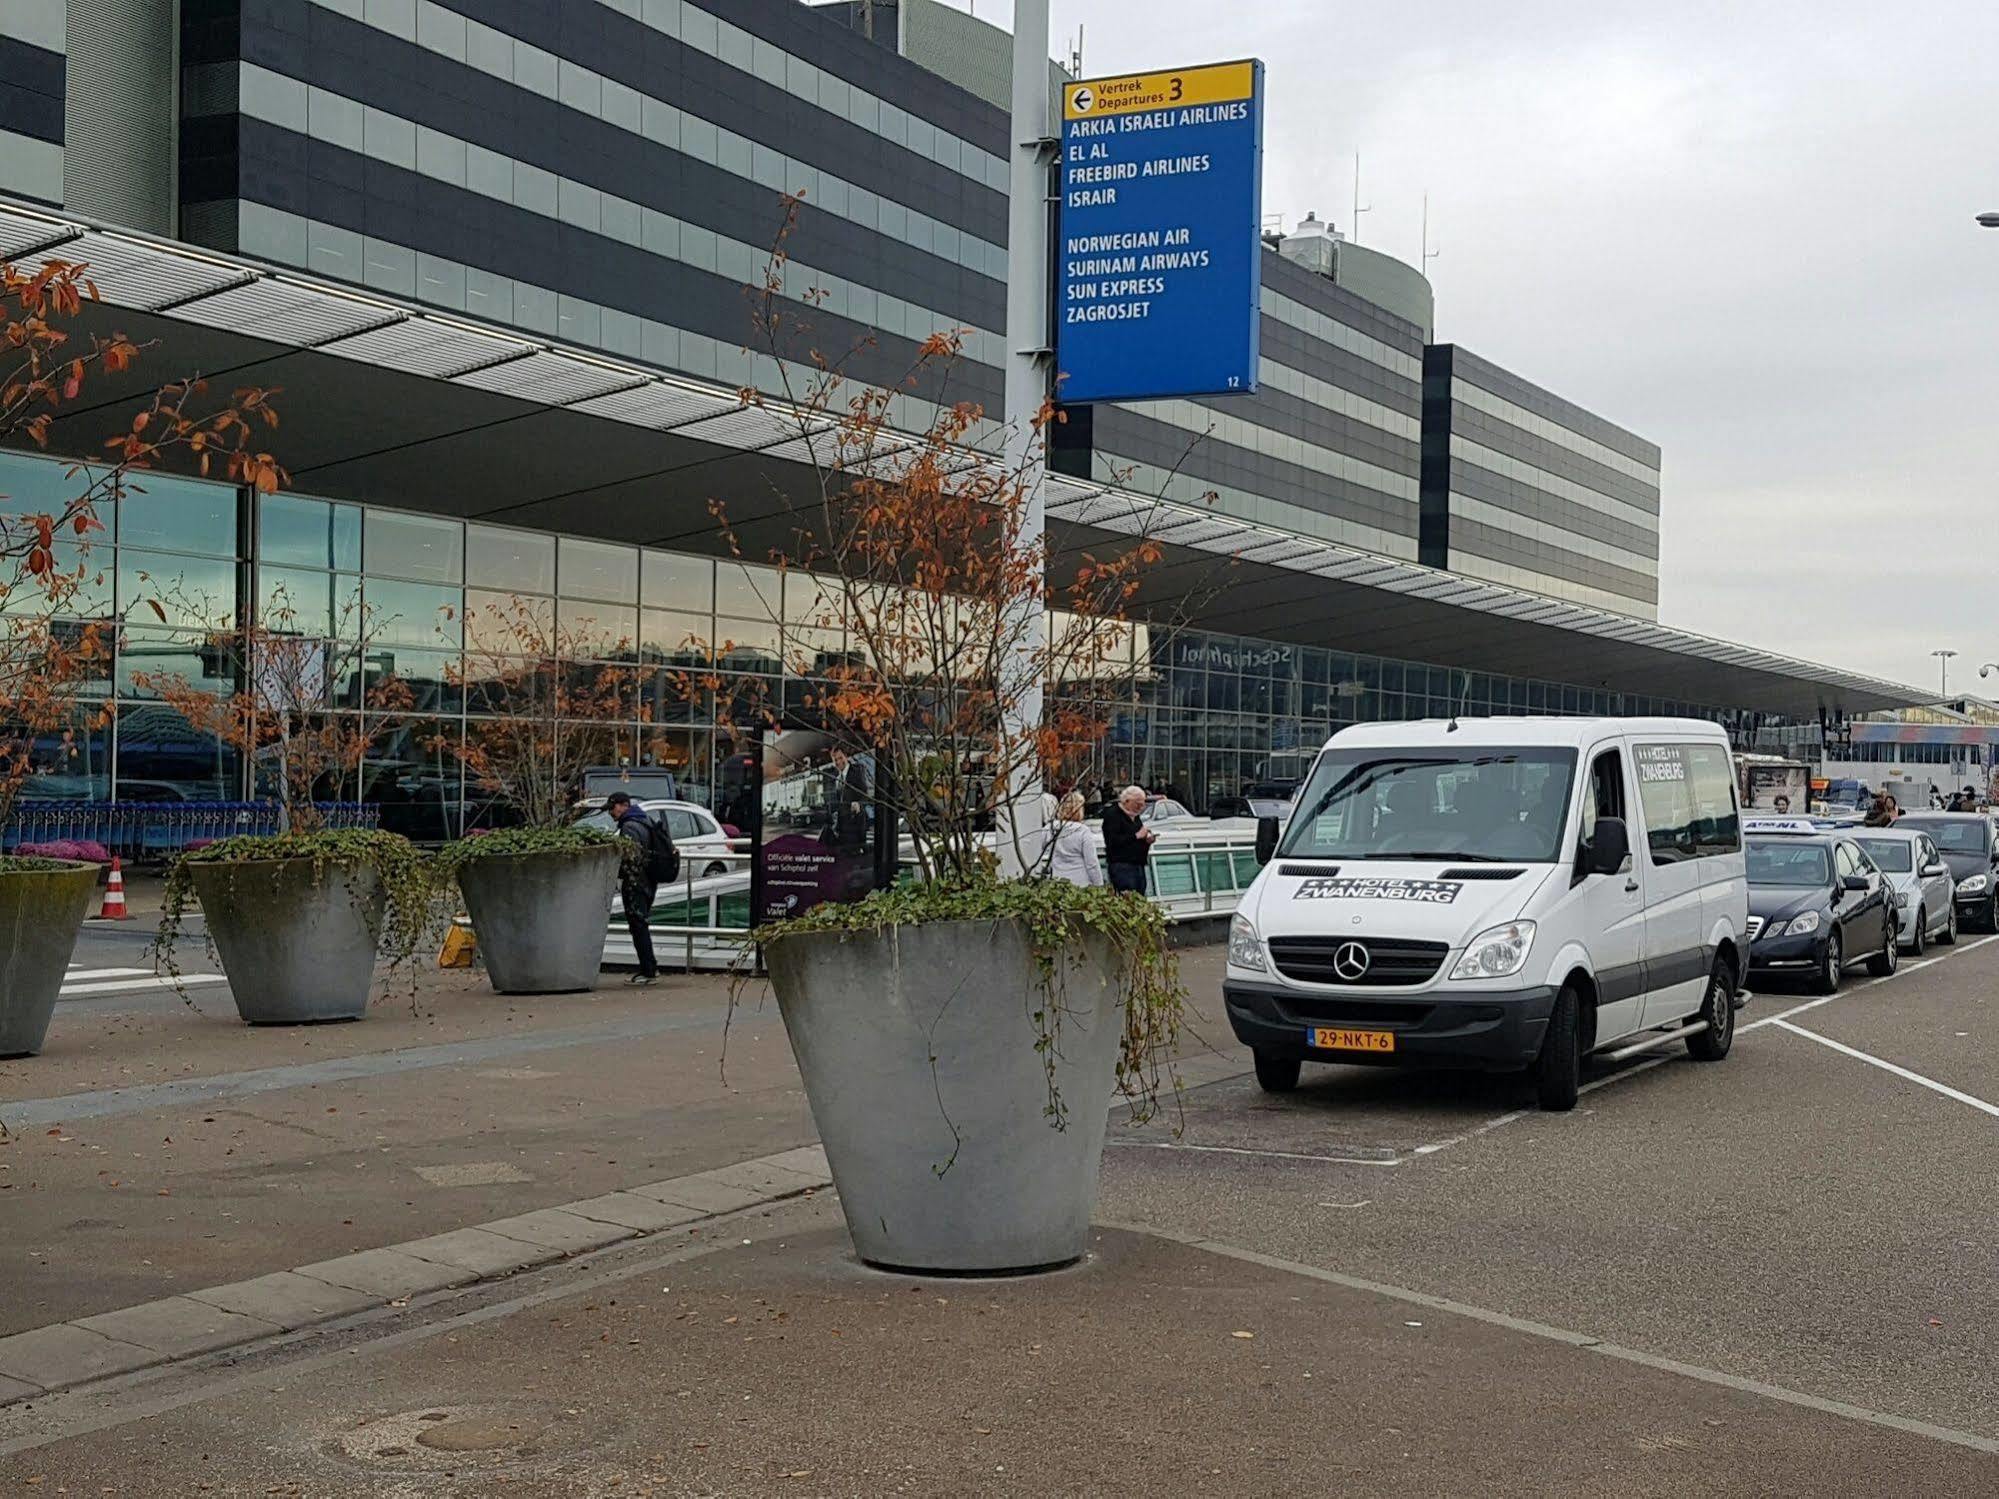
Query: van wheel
{"points": [[1558, 1070], [1832, 967], [1275, 1074], [1948, 936], [1718, 1010], [1884, 963]]}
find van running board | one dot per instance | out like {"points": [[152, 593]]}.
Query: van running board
{"points": [[1653, 1041]]}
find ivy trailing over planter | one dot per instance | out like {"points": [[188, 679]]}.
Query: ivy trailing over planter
{"points": [[1056, 917], [406, 875], [30, 864], [517, 842]]}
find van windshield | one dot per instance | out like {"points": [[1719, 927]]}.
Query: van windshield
{"points": [[1476, 804]]}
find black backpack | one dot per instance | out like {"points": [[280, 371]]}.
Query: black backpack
{"points": [[662, 858]]}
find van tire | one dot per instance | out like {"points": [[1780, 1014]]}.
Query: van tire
{"points": [[1557, 1071], [1718, 1010], [1884, 963], [1275, 1074]]}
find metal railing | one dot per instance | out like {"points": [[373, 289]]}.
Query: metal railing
{"points": [[141, 831], [698, 922]]}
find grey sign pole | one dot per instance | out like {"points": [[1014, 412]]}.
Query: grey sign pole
{"points": [[1025, 451]]}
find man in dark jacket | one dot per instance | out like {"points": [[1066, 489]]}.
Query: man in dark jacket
{"points": [[636, 885], [1127, 841]]}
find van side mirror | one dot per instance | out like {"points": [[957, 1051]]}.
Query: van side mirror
{"points": [[1608, 847], [1266, 839]]}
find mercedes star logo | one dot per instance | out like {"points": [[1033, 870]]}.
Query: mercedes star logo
{"points": [[1350, 962], [1083, 98]]}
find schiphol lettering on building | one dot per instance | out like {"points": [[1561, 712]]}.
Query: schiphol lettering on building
{"points": [[1159, 248]]}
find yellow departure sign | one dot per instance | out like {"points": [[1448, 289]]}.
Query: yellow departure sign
{"points": [[1141, 93]]}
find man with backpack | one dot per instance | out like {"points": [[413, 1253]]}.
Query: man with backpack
{"points": [[655, 863]]}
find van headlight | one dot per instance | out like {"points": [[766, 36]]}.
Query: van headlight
{"points": [[1245, 947], [1971, 884], [1497, 953]]}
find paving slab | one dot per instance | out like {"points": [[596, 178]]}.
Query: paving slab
{"points": [[552, 1228], [64, 1355], [386, 1273], [179, 1326], [478, 1251], [287, 1300], [15, 1389], [701, 1192], [807, 1160], [629, 1210], [764, 1179]]}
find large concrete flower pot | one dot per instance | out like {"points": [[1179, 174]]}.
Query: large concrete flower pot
{"points": [[917, 1047], [541, 919], [297, 938], [41, 911]]}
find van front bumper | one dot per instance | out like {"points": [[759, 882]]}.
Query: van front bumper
{"points": [[1494, 1031]]}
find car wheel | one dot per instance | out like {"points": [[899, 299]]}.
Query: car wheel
{"points": [[1718, 1010], [1948, 936], [1558, 1070], [714, 869], [1275, 1074], [1921, 938], [1832, 967], [1992, 915], [1884, 963]]}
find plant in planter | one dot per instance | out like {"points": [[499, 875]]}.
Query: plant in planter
{"points": [[53, 642], [298, 918], [549, 699], [960, 1037]]}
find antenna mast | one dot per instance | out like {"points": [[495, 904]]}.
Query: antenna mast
{"points": [[1357, 209]]}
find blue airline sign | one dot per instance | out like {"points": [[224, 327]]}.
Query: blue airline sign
{"points": [[1159, 252]]}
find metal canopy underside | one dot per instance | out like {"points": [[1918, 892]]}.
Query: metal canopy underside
{"points": [[391, 404]]}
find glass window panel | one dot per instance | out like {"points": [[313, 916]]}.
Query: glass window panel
{"points": [[418, 614], [161, 757], [418, 547], [748, 645], [520, 561], [295, 598], [347, 537], [746, 592], [181, 515], [599, 570], [594, 631], [293, 529], [675, 582], [505, 624], [674, 637], [86, 573], [157, 588], [400, 679], [148, 654], [412, 774], [69, 764]]}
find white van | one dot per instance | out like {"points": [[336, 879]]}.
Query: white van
{"points": [[1499, 894]]}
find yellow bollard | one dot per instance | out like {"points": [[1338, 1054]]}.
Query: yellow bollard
{"points": [[459, 946]]}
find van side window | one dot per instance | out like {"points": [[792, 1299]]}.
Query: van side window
{"points": [[1717, 823], [1606, 779], [1666, 792]]}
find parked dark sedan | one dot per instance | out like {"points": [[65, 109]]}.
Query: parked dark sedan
{"points": [[1965, 839], [1817, 905]]}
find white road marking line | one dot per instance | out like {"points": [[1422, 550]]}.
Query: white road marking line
{"points": [[80, 974], [1470, 1134], [137, 986], [1886, 1066], [1281, 1155]]}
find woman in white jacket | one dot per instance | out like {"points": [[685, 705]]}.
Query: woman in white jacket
{"points": [[1073, 851]]}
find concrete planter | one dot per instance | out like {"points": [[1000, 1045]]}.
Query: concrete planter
{"points": [[867, 1013], [541, 918], [297, 939], [41, 911]]}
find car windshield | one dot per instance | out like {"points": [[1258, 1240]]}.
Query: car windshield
{"points": [[1892, 854], [1476, 803], [1775, 861], [1952, 835]]}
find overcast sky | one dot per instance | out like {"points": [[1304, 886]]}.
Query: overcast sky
{"points": [[1740, 228]]}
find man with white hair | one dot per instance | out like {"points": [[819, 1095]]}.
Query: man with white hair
{"points": [[1127, 840]]}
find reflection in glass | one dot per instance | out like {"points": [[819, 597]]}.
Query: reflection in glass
{"points": [[516, 561], [155, 588], [599, 570], [71, 763], [417, 614], [418, 547], [598, 632], [747, 592], [679, 582], [203, 660], [161, 757], [674, 637], [182, 515]]}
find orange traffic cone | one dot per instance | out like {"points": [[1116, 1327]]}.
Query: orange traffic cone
{"points": [[114, 895]]}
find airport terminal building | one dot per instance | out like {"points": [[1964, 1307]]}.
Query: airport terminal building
{"points": [[494, 253]]}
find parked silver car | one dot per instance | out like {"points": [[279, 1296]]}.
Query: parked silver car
{"points": [[1925, 894]]}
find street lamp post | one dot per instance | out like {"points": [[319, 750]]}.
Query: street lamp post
{"points": [[1943, 672]]}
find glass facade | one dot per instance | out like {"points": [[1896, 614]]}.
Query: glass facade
{"points": [[1202, 716]]}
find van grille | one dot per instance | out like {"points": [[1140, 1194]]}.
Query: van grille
{"points": [[1390, 962]]}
